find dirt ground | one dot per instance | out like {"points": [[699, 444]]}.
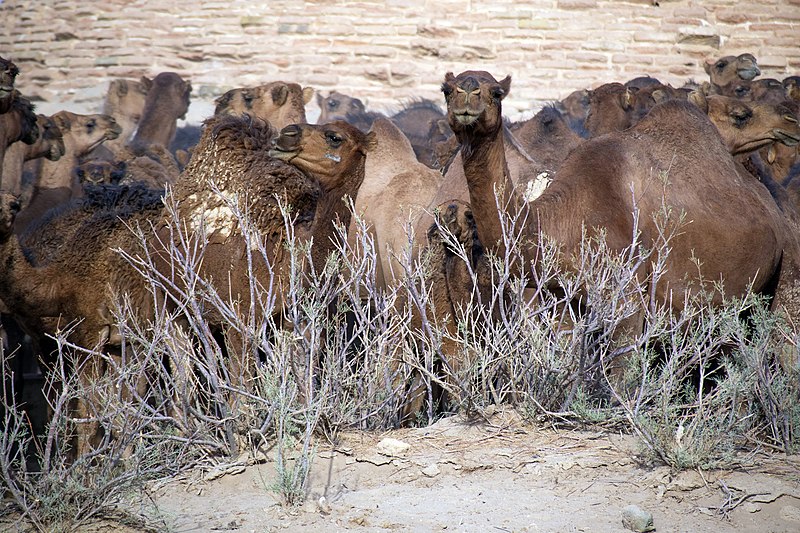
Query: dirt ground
{"points": [[500, 475]]}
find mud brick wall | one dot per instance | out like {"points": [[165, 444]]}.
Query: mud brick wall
{"points": [[385, 52]]}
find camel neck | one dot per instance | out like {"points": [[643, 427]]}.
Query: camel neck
{"points": [[487, 175]]}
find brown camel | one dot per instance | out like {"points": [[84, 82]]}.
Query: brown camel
{"points": [[575, 108], [279, 103], [656, 161], [8, 74], [415, 121], [125, 101], [167, 101], [338, 106], [49, 145], [728, 69], [396, 190], [791, 85], [19, 123], [54, 183], [617, 107]]}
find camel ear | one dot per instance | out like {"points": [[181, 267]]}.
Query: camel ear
{"points": [[627, 98], [660, 95], [280, 94], [121, 87], [62, 122], [698, 98], [371, 141], [146, 82], [308, 94], [505, 83]]}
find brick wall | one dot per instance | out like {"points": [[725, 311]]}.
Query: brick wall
{"points": [[384, 52]]}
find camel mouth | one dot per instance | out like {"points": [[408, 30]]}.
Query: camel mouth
{"points": [[466, 117], [748, 73], [283, 155], [784, 137], [56, 152]]}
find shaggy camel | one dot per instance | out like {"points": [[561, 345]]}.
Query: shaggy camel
{"points": [[19, 123], [595, 187], [8, 74], [279, 103], [49, 145], [54, 183], [82, 276]]}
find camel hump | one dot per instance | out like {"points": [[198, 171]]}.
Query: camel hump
{"points": [[391, 140]]}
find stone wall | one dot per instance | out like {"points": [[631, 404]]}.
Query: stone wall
{"points": [[384, 52]]}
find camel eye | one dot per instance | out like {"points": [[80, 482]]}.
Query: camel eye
{"points": [[248, 99], [741, 91], [741, 117], [90, 126], [332, 104], [447, 89], [334, 140], [497, 92], [721, 65]]}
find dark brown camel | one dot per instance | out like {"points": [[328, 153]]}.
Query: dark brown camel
{"points": [[167, 101], [49, 145], [17, 124], [595, 187], [8, 74]]}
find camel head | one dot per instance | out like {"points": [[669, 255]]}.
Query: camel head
{"points": [[728, 69], [611, 108], [98, 171], [748, 126], [51, 138], [474, 101], [23, 119], [8, 73], [334, 153], [125, 99], [278, 103], [84, 133], [169, 91], [791, 86], [9, 207], [336, 106]]}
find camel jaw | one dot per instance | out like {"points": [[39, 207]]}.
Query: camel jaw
{"points": [[784, 137]]}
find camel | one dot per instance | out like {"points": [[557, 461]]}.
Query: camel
{"points": [[49, 145], [279, 103], [728, 69], [616, 107], [659, 160], [54, 183], [415, 120], [167, 101], [19, 123], [8, 74], [338, 106], [125, 101], [396, 191], [791, 85], [575, 108]]}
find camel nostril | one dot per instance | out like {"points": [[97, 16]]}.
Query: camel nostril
{"points": [[292, 130]]}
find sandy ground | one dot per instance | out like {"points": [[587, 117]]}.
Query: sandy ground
{"points": [[495, 476], [499, 475]]}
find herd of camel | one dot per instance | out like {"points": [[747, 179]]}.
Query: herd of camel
{"points": [[722, 154]]}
